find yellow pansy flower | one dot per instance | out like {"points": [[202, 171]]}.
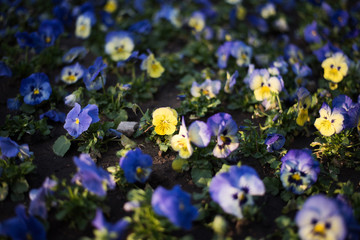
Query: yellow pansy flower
{"points": [[329, 122], [164, 120], [181, 142], [335, 67], [197, 21], [119, 45], [152, 66], [110, 6]]}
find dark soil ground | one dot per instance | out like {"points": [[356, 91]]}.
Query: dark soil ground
{"points": [[63, 168]]}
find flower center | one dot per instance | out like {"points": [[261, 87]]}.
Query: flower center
{"points": [[48, 39], [319, 229], [82, 27], [36, 91], [296, 177], [77, 121], [71, 78], [139, 170], [313, 32]]}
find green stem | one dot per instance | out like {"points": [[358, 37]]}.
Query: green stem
{"points": [[279, 102], [102, 84]]}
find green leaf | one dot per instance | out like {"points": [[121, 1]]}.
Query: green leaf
{"points": [[201, 177], [17, 197], [127, 142], [283, 222], [27, 108], [61, 146], [4, 190], [20, 186], [285, 195], [272, 185]]}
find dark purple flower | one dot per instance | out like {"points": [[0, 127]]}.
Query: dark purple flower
{"points": [[348, 109], [175, 205], [93, 178], [141, 27], [91, 79], [326, 51], [23, 226], [38, 198], [13, 104], [136, 166], [49, 31], [35, 88], [5, 71], [54, 115], [311, 33], [223, 53], [274, 142], [340, 18], [113, 231]]}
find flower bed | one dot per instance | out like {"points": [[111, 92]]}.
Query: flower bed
{"points": [[179, 120]]}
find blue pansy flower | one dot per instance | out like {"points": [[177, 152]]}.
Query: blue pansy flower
{"points": [[242, 53], [175, 205], [311, 33], [235, 189], [49, 31], [8, 147], [258, 23], [349, 109], [92, 79], [35, 88], [299, 170], [224, 128], [78, 120], [141, 27], [73, 53], [38, 198], [23, 226], [93, 178], [223, 53], [293, 53], [348, 214], [13, 104], [339, 18], [114, 231], [320, 218], [71, 74], [31, 40], [84, 23], [274, 142], [169, 13], [326, 51], [136, 166], [62, 12], [107, 19], [54, 115], [5, 71], [280, 64], [230, 81], [301, 71]]}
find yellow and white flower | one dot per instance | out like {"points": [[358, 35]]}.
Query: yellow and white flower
{"points": [[329, 122], [119, 45]]}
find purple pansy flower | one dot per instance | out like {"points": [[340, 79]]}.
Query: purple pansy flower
{"points": [[113, 231], [234, 189], [91, 177], [35, 88], [174, 204], [311, 33], [78, 120], [23, 226], [38, 198], [299, 170], [224, 128], [348, 109], [274, 142], [136, 166], [54, 115]]}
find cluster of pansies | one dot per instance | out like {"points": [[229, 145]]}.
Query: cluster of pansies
{"points": [[268, 111]]}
